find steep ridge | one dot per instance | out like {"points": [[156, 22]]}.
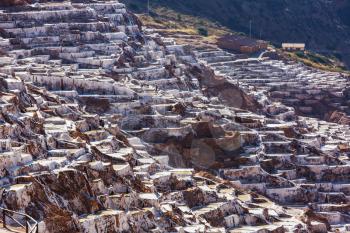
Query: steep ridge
{"points": [[106, 127]]}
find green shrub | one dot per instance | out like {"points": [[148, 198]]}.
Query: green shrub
{"points": [[179, 18], [300, 54], [319, 59], [202, 31]]}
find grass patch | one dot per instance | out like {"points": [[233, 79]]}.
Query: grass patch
{"points": [[318, 61]]}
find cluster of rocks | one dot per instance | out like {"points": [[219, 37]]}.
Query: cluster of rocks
{"points": [[108, 127]]}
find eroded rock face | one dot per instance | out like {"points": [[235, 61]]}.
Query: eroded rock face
{"points": [[227, 92], [96, 105], [105, 127], [201, 144], [339, 117]]}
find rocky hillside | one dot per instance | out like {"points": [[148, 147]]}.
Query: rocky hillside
{"points": [[107, 126], [322, 25]]}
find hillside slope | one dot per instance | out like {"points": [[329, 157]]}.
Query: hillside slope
{"points": [[323, 25]]}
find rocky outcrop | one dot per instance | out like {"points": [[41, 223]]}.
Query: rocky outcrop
{"points": [[338, 117], [226, 91]]}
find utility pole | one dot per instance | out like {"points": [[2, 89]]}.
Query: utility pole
{"points": [[260, 33], [148, 7], [250, 28]]}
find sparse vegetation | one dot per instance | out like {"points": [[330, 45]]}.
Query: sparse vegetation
{"points": [[321, 24], [318, 61], [169, 22]]}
